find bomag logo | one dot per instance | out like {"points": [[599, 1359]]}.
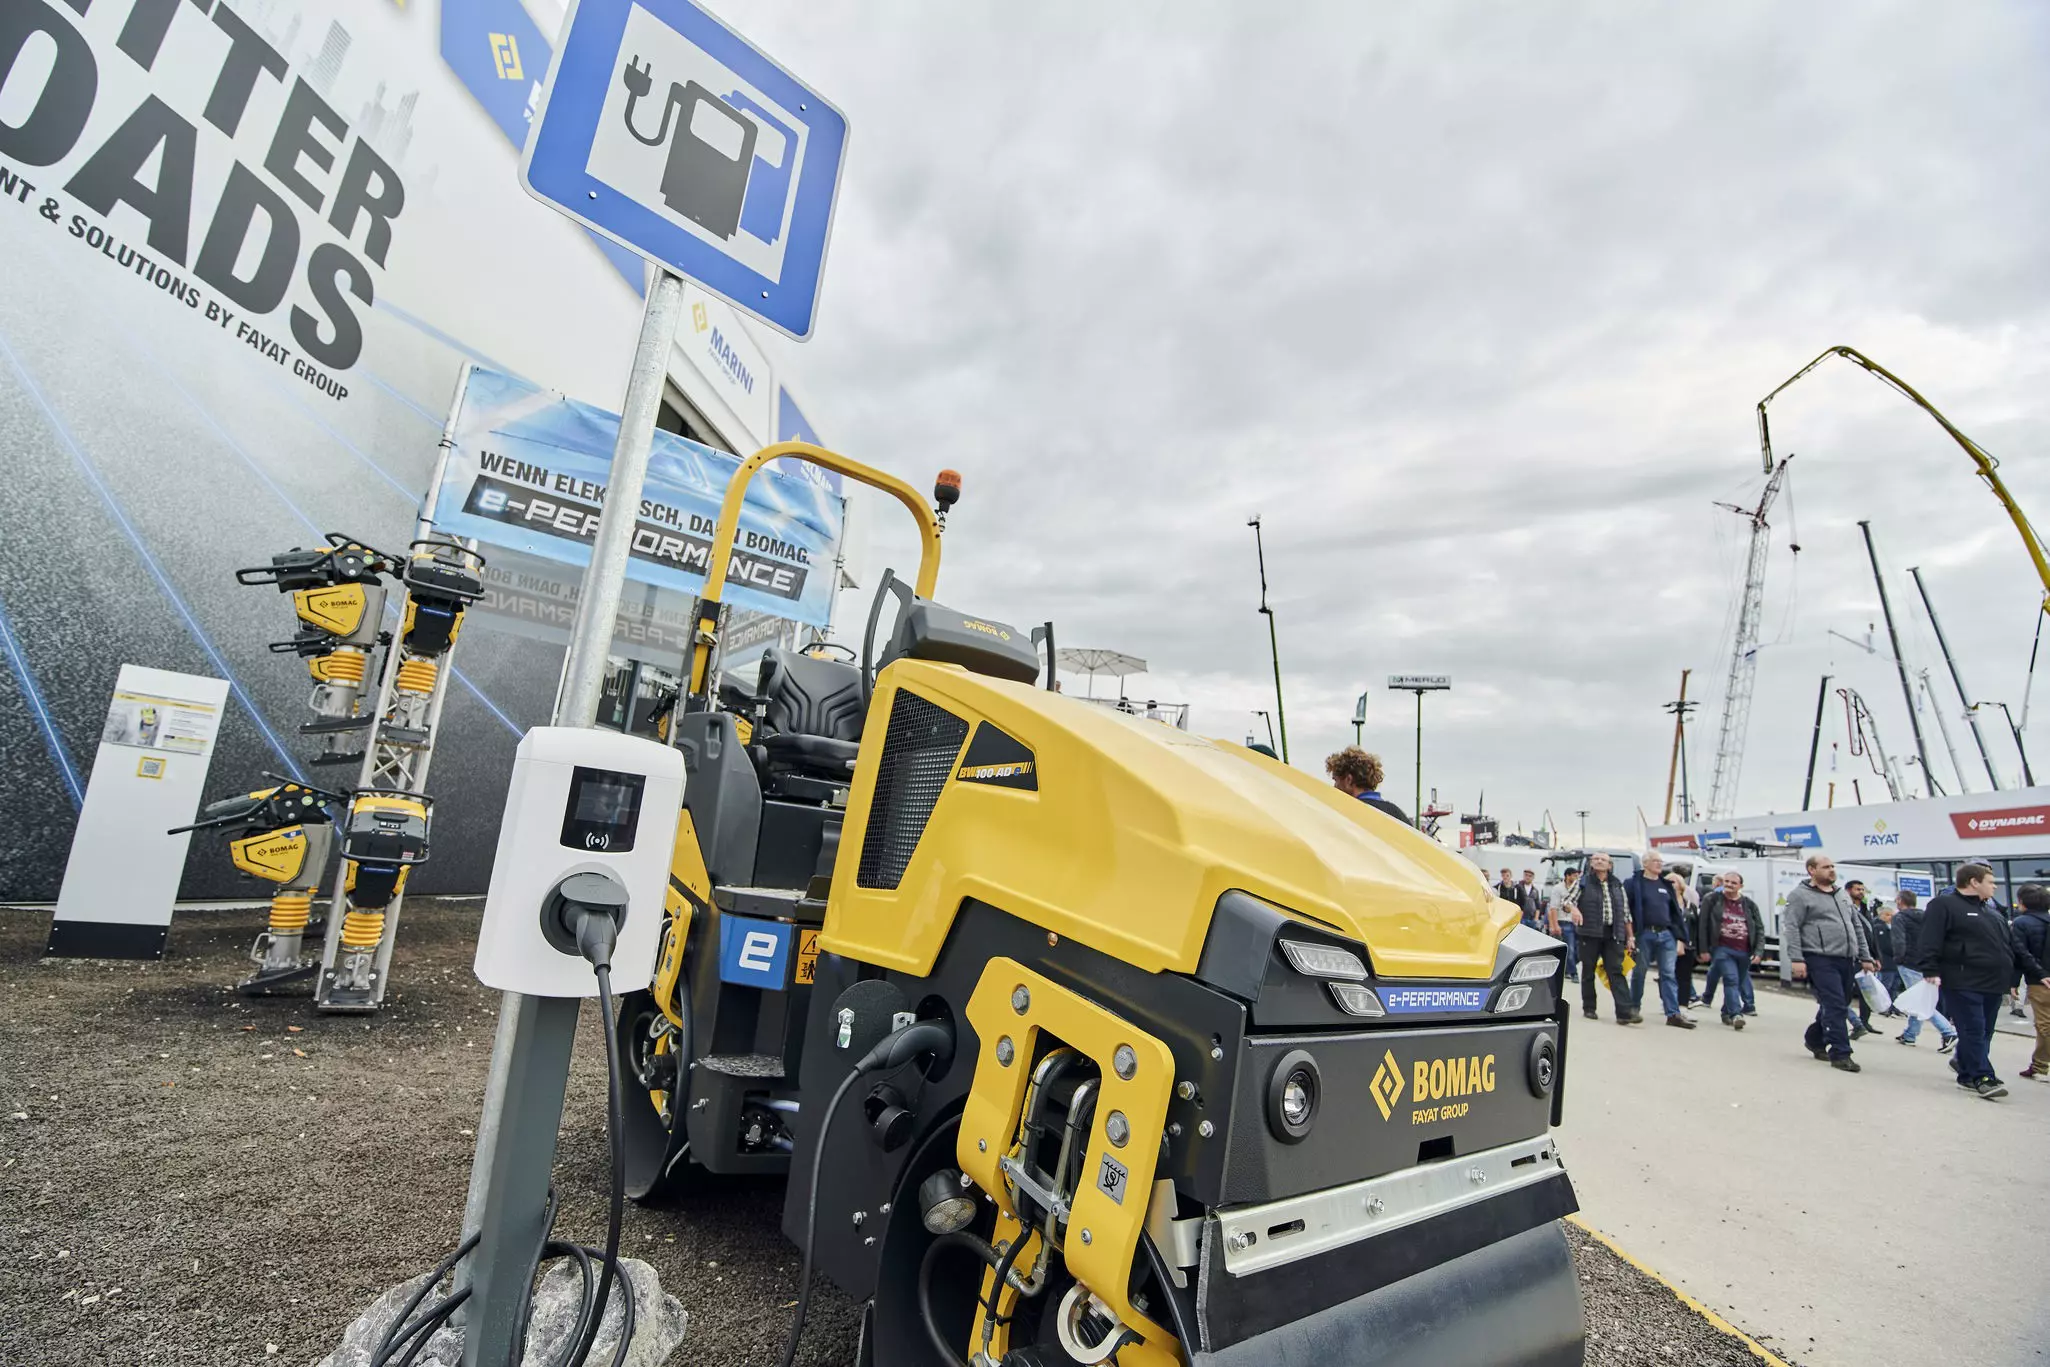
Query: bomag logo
{"points": [[277, 855], [985, 628], [1441, 1080], [1386, 1088]]}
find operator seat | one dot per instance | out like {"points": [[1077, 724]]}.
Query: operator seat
{"points": [[811, 715], [808, 716]]}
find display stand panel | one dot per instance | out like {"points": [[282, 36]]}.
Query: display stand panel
{"points": [[148, 776]]}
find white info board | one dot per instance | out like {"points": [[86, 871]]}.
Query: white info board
{"points": [[148, 776]]}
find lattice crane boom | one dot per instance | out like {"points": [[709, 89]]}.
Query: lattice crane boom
{"points": [[1736, 718]]}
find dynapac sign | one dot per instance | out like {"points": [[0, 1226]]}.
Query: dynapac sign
{"points": [[2010, 821]]}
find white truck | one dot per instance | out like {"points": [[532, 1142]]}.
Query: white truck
{"points": [[1769, 878]]}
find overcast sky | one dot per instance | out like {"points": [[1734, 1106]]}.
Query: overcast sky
{"points": [[1472, 304]]}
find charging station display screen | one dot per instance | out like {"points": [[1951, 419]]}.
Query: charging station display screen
{"points": [[602, 810]]}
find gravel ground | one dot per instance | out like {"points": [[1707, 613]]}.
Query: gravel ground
{"points": [[1634, 1321], [207, 1179]]}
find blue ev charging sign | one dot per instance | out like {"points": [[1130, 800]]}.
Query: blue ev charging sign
{"points": [[665, 131]]}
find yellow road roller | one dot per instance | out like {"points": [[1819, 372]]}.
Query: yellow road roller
{"points": [[1082, 1039]]}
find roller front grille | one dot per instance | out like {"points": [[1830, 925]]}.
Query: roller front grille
{"points": [[919, 750]]}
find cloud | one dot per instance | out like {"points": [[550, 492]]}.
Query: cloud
{"points": [[1472, 306]]}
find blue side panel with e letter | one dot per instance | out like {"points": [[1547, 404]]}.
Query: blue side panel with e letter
{"points": [[754, 953]]}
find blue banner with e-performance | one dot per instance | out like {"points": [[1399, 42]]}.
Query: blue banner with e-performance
{"points": [[527, 469]]}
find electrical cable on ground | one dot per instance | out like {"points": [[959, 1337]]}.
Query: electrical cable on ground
{"points": [[595, 936]]}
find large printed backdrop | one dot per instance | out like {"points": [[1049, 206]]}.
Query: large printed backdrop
{"points": [[248, 248]]}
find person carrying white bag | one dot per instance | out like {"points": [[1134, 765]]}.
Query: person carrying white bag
{"points": [[1907, 929], [1918, 1001]]}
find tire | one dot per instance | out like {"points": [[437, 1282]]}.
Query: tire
{"points": [[658, 1165]]}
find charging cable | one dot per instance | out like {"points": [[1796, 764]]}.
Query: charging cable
{"points": [[899, 1047], [583, 915], [590, 914]]}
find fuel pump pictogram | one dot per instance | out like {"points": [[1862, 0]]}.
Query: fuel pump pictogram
{"points": [[710, 156]]}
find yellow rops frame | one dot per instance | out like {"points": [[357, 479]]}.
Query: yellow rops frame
{"points": [[705, 638]]}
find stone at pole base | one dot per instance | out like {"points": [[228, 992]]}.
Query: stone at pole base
{"points": [[658, 1323]]}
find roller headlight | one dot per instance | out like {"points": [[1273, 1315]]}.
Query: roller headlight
{"points": [[1356, 999], [1513, 999], [1323, 961], [1537, 968], [1544, 1066], [1297, 1100], [1293, 1092], [946, 1202]]}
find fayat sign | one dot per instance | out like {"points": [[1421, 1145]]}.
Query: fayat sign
{"points": [[1990, 825], [172, 138]]}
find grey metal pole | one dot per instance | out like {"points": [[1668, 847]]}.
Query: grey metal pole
{"points": [[1418, 817], [590, 639], [516, 1138], [1815, 742], [1957, 680], [1907, 688], [1686, 801], [2028, 774], [1943, 729], [1273, 638]]}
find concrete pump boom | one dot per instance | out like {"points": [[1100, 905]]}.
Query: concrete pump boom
{"points": [[1989, 468]]}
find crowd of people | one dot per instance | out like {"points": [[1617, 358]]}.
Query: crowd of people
{"points": [[1837, 937], [1964, 943]]}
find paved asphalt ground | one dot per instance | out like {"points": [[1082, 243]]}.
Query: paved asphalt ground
{"points": [[1843, 1220], [197, 1182]]}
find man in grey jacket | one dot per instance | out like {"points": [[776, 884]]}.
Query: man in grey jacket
{"points": [[1823, 933]]}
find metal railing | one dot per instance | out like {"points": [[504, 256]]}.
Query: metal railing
{"points": [[1175, 714]]}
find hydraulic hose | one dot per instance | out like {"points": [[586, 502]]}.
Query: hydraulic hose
{"points": [[1003, 1272], [958, 1239]]}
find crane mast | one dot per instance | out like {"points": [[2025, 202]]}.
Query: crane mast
{"points": [[1729, 747]]}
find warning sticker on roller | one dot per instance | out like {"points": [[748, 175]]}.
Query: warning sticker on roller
{"points": [[1111, 1179]]}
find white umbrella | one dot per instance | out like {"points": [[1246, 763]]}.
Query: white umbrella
{"points": [[1093, 661]]}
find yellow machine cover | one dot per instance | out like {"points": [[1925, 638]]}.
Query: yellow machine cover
{"points": [[1133, 832]]}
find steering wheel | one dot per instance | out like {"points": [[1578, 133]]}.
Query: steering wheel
{"points": [[890, 584]]}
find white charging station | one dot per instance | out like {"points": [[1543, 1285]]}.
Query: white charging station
{"points": [[581, 801]]}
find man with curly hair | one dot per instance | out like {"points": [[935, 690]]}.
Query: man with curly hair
{"points": [[1356, 773]]}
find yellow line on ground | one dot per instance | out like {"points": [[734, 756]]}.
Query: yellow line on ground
{"points": [[1765, 1354]]}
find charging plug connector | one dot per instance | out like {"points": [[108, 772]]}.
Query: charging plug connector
{"points": [[582, 915], [933, 1038], [597, 933]]}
